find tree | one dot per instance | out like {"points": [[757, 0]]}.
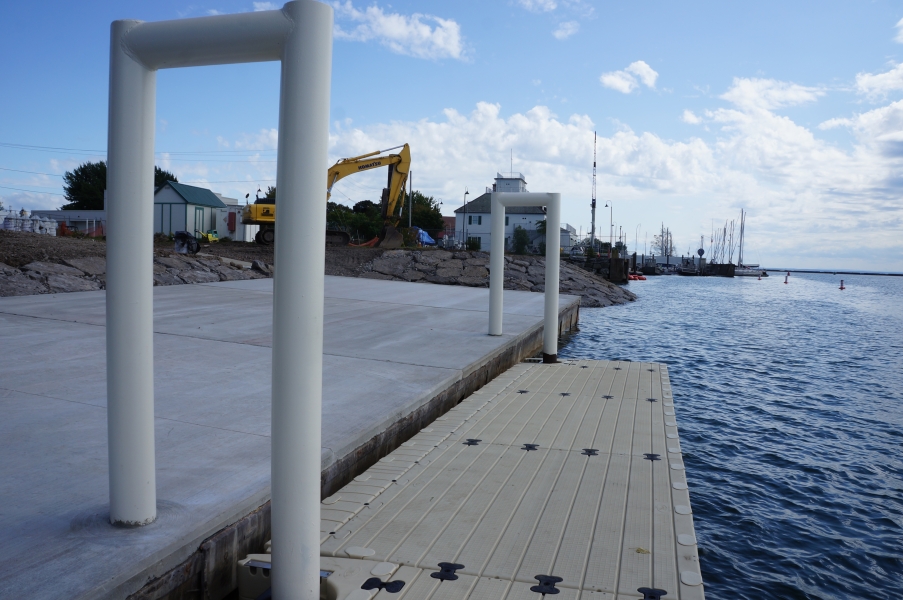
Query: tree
{"points": [[271, 193], [541, 227], [161, 176], [366, 207], [84, 186], [426, 214], [520, 240], [365, 223]]}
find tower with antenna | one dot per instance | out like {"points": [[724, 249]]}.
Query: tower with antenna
{"points": [[592, 230]]}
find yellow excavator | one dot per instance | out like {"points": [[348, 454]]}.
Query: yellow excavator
{"points": [[263, 211]]}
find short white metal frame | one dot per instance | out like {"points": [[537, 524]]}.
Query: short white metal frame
{"points": [[552, 202], [300, 36]]}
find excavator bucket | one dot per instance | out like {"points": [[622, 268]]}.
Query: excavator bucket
{"points": [[389, 237]]}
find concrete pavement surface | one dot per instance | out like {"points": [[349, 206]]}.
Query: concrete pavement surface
{"points": [[389, 347]]}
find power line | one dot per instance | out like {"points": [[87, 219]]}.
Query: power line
{"points": [[232, 181], [30, 191], [32, 172], [208, 181], [54, 148], [87, 152], [48, 148]]}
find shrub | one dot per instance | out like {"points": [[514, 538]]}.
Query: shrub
{"points": [[520, 240]]}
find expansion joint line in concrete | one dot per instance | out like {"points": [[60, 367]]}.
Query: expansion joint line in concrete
{"points": [[58, 320]]}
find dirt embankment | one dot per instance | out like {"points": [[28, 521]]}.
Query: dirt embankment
{"points": [[40, 264], [17, 249]]}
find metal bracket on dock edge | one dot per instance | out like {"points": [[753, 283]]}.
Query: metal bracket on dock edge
{"points": [[549, 358]]}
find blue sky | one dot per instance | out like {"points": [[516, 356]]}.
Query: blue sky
{"points": [[792, 112]]}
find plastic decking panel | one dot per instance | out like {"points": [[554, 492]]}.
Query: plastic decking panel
{"points": [[570, 471]]}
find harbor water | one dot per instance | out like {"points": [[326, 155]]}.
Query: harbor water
{"points": [[789, 400]]}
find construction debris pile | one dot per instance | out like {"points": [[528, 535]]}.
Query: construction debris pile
{"points": [[472, 269]]}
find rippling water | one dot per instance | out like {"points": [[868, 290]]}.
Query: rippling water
{"points": [[788, 400]]}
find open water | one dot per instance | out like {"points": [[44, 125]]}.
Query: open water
{"points": [[789, 401]]}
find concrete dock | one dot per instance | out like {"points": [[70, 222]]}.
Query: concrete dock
{"points": [[397, 355], [563, 479]]}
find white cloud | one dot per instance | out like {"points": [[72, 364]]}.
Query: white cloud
{"points": [[630, 78], [801, 190], [409, 35], [566, 30], [259, 6], [690, 117], [554, 152], [809, 199], [538, 5], [265, 139], [769, 94], [620, 81], [878, 85], [899, 26], [644, 72]]}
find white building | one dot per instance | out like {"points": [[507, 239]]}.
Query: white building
{"points": [[180, 207], [473, 219], [177, 207]]}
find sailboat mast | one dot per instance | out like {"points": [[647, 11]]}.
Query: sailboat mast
{"points": [[742, 227]]}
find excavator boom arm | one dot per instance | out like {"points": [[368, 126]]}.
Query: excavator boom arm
{"points": [[399, 166], [264, 213]]}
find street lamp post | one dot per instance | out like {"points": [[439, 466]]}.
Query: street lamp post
{"points": [[464, 224], [611, 229]]}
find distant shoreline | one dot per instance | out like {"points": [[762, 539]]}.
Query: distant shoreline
{"points": [[831, 272]]}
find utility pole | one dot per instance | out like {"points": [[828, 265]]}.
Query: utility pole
{"points": [[592, 235]]}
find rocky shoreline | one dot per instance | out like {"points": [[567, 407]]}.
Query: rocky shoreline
{"points": [[35, 264], [472, 269], [89, 274]]}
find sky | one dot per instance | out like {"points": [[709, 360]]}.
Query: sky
{"points": [[791, 111]]}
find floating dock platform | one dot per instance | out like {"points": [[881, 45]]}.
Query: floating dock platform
{"points": [[563, 479]]}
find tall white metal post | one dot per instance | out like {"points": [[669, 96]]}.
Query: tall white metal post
{"points": [[496, 262], [300, 255], [552, 202], [130, 227], [300, 35], [550, 328]]}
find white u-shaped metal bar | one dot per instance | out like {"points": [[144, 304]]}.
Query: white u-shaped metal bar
{"points": [[300, 36], [552, 202]]}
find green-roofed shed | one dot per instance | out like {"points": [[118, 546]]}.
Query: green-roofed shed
{"points": [[180, 207]]}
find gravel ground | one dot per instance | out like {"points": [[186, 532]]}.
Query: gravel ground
{"points": [[17, 249]]}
